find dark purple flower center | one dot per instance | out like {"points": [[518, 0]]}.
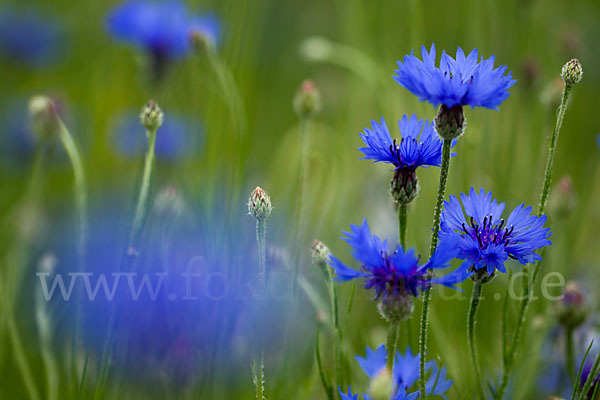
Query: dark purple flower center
{"points": [[395, 150], [387, 280], [488, 233]]}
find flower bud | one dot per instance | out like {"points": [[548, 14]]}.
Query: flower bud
{"points": [[44, 118], [450, 122], [320, 254], [396, 308], [200, 41], [562, 200], [572, 72], [151, 116], [382, 384], [259, 204], [404, 186], [307, 102], [481, 275], [169, 202], [572, 309]]}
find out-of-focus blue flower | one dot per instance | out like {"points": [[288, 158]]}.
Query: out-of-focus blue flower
{"points": [[419, 144], [29, 38], [585, 373], [162, 28], [405, 374], [460, 81], [487, 240], [397, 273], [178, 137], [598, 140]]}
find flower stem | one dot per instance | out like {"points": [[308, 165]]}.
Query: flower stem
{"points": [[141, 210], [402, 224], [338, 356], [569, 355], [434, 239], [258, 362], [508, 364], [80, 193], [392, 340], [471, 320]]}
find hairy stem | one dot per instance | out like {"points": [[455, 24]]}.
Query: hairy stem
{"points": [[402, 224], [508, 365], [258, 362], [392, 340], [434, 239], [337, 352], [471, 320]]}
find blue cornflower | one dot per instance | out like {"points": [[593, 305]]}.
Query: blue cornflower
{"points": [[412, 152], [161, 28], [487, 240], [405, 374], [394, 274], [456, 82], [29, 38], [419, 146], [350, 396]]}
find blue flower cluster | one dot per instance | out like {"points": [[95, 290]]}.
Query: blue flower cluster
{"points": [[404, 375], [162, 29], [460, 81], [397, 273], [485, 239]]}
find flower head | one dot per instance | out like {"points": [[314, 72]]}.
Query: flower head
{"points": [[397, 273], [487, 240], [419, 146], [460, 81], [161, 28], [29, 37], [405, 374]]}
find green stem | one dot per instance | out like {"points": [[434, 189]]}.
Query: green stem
{"points": [[402, 224], [508, 365], [569, 354], [141, 210], [337, 352], [258, 363], [80, 193], [304, 131], [434, 238], [471, 336], [392, 340]]}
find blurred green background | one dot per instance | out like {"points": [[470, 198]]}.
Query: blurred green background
{"points": [[349, 48]]}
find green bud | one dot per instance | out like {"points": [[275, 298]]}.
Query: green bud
{"points": [[562, 199], [396, 308], [151, 116], [169, 202], [44, 118], [450, 122], [481, 275], [572, 310], [307, 102], [200, 42], [572, 72], [259, 204], [320, 254], [404, 186], [382, 385]]}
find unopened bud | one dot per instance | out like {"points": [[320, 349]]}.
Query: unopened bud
{"points": [[572, 309], [382, 384], [259, 204], [404, 186], [44, 118], [307, 102], [169, 201], [200, 41], [572, 72], [320, 254], [151, 116], [450, 122], [562, 200]]}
